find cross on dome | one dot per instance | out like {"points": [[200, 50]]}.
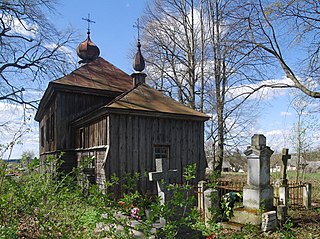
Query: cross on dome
{"points": [[87, 50], [138, 26], [89, 21], [138, 60]]}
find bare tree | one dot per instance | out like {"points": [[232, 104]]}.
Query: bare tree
{"points": [[199, 54], [176, 44], [31, 49], [304, 130], [288, 30]]}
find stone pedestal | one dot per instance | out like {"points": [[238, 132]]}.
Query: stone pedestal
{"points": [[307, 196], [283, 195], [211, 202], [259, 198], [258, 193], [282, 212]]}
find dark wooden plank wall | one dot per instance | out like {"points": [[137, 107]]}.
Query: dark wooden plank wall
{"points": [[94, 134], [99, 155], [65, 107], [132, 139], [70, 105], [49, 144], [68, 160]]}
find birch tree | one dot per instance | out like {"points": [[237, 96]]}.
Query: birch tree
{"points": [[175, 47], [197, 53]]}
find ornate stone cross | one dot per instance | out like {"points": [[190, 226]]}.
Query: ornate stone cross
{"points": [[284, 162], [162, 176]]}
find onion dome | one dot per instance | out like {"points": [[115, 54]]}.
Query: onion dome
{"points": [[87, 50], [138, 63]]}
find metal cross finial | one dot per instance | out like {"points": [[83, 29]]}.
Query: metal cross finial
{"points": [[138, 26], [89, 21]]}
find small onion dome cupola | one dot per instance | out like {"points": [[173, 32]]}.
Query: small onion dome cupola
{"points": [[87, 50], [138, 63]]}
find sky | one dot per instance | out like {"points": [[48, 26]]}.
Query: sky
{"points": [[114, 34], [113, 30]]}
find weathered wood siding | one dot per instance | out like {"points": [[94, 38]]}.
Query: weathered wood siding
{"points": [[69, 106], [132, 139], [92, 134], [47, 140], [92, 140], [98, 155], [68, 160], [65, 107]]}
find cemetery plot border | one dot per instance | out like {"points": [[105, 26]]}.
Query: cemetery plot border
{"points": [[295, 190]]}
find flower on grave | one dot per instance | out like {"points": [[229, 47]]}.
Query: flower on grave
{"points": [[213, 235], [135, 213]]}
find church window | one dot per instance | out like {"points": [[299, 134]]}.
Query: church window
{"points": [[52, 125], [42, 136], [161, 151], [82, 138], [47, 130]]}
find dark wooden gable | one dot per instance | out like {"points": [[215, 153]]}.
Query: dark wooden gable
{"points": [[85, 89]]}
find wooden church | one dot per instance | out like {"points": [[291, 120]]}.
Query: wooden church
{"points": [[99, 110]]}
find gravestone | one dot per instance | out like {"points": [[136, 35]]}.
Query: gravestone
{"points": [[211, 204], [269, 221], [307, 195], [283, 190], [284, 162], [258, 193], [162, 176], [201, 189]]}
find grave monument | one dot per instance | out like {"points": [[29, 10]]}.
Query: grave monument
{"points": [[162, 176], [258, 193], [283, 190]]}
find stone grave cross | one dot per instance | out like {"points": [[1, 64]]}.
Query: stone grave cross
{"points": [[283, 190], [284, 162], [162, 176]]}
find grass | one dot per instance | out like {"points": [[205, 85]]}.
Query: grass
{"points": [[37, 205]]}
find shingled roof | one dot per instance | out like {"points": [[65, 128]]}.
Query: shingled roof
{"points": [[98, 74], [96, 77], [146, 99]]}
